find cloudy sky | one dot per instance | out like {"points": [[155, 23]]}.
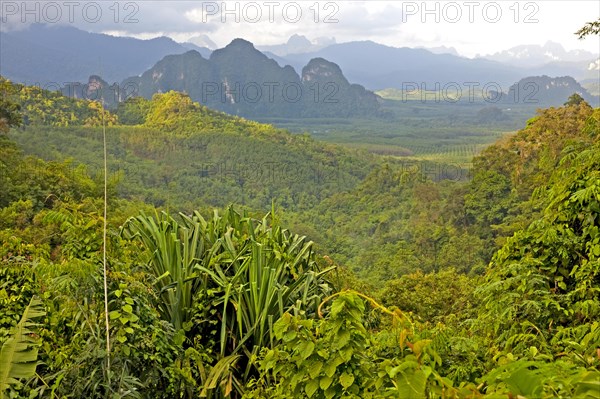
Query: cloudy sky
{"points": [[472, 27]]}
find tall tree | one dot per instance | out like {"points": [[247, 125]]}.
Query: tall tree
{"points": [[9, 111]]}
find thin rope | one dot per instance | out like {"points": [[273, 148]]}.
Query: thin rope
{"points": [[104, 243]]}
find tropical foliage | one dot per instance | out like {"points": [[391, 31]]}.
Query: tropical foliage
{"points": [[394, 284]]}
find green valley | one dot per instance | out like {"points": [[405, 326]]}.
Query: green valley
{"points": [[245, 261]]}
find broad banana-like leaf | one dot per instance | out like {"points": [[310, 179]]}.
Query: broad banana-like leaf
{"points": [[18, 356]]}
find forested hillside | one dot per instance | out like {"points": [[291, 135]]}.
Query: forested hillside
{"points": [[360, 278], [174, 152]]}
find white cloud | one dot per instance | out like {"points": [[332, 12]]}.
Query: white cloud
{"points": [[395, 23]]}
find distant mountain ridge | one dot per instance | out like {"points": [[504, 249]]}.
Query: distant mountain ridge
{"points": [[262, 88], [546, 91], [57, 55], [44, 54], [297, 44], [377, 66], [529, 56], [550, 59]]}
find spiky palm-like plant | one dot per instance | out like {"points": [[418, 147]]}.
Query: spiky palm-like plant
{"points": [[258, 272]]}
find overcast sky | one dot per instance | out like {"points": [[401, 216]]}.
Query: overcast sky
{"points": [[472, 27]]}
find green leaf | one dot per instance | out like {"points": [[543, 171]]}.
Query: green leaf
{"points": [[533, 351], [412, 385], [346, 353], [342, 339], [325, 382], [329, 368], [346, 379], [115, 314], [337, 306], [315, 369], [289, 335], [282, 325], [179, 337], [525, 382], [330, 393], [307, 349], [311, 387], [18, 358]]}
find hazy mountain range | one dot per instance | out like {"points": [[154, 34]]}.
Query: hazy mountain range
{"points": [[545, 91], [380, 66], [297, 44], [42, 54], [529, 56], [45, 54]]}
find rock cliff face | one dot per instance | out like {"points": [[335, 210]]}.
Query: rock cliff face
{"points": [[333, 94], [240, 80]]}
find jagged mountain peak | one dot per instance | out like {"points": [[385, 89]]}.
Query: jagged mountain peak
{"points": [[239, 49], [298, 40], [319, 69], [240, 43]]}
